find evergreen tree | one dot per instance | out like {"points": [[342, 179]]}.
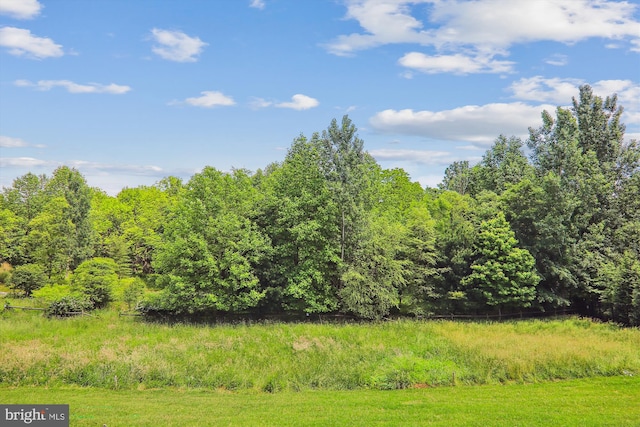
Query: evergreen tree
{"points": [[503, 275]]}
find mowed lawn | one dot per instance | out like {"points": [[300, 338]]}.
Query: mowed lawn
{"points": [[612, 401]]}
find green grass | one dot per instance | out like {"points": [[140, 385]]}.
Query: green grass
{"points": [[118, 353], [612, 401], [122, 371]]}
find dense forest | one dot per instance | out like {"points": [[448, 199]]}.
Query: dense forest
{"points": [[550, 222]]}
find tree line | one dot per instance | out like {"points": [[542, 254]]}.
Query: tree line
{"points": [[550, 222]]}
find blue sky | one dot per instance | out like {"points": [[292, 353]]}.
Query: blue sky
{"points": [[129, 92]]}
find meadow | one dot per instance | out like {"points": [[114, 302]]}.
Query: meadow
{"points": [[408, 371]]}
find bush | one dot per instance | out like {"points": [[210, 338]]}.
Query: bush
{"points": [[153, 305], [28, 278], [133, 292], [51, 293], [68, 306], [95, 279]]}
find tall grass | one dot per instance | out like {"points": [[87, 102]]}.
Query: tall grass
{"points": [[124, 353]]}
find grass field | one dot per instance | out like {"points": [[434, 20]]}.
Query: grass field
{"points": [[123, 371], [124, 353], [612, 401]]}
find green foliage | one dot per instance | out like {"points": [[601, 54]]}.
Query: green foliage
{"points": [[504, 164], [5, 273], [133, 292], [27, 278], [347, 169], [502, 275], [69, 184], [68, 306], [328, 230], [11, 236], [370, 284], [213, 246], [455, 218], [51, 293], [458, 177], [49, 242], [95, 279], [298, 215]]}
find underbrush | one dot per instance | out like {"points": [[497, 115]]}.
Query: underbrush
{"points": [[115, 352]]}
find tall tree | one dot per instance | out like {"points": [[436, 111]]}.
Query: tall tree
{"points": [[371, 282], [346, 166], [26, 197], [457, 177], [299, 217], [455, 227], [503, 275], [583, 154], [147, 209], [502, 165], [108, 216], [418, 250], [50, 242], [20, 203], [70, 184], [212, 247]]}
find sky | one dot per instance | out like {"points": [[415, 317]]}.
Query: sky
{"points": [[129, 92]]}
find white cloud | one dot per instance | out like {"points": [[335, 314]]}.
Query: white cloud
{"points": [[72, 87], [466, 36], [503, 23], [557, 59], [258, 4], [85, 166], [555, 90], [458, 63], [561, 91], [21, 42], [20, 9], [476, 124], [22, 162], [110, 177], [9, 142], [423, 157], [208, 99], [487, 24], [142, 170], [257, 103], [386, 21], [299, 102], [176, 45]]}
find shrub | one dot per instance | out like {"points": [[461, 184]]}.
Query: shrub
{"points": [[153, 305], [95, 279], [52, 293], [28, 278], [67, 306], [133, 292]]}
